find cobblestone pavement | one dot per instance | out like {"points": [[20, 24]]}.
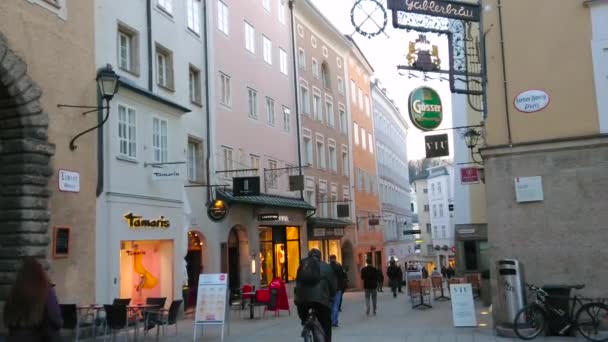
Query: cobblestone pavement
{"points": [[395, 321]]}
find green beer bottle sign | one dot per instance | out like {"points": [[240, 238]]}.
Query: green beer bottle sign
{"points": [[426, 111]]}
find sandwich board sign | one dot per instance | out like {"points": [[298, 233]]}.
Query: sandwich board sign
{"points": [[463, 308], [211, 301]]}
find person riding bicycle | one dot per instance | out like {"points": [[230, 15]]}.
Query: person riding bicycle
{"points": [[316, 289]]}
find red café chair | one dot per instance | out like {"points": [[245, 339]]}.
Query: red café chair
{"points": [[262, 298]]}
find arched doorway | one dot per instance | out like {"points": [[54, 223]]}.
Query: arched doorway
{"points": [[25, 167], [195, 264], [348, 261], [237, 257]]}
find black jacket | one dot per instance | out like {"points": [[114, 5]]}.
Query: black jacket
{"points": [[341, 277], [393, 272], [369, 274], [322, 293]]}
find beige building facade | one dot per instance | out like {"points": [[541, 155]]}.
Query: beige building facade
{"points": [[559, 234], [46, 59]]}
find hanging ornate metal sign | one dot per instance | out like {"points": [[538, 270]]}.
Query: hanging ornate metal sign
{"points": [[446, 9], [368, 17], [423, 56], [425, 108]]}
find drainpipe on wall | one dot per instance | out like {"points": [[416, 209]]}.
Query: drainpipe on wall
{"points": [[295, 82], [149, 24], [100, 159], [504, 72], [207, 110]]}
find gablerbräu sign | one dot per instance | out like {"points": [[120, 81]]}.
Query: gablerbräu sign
{"points": [[438, 8]]}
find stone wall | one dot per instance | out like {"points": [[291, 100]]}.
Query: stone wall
{"points": [[25, 169], [561, 240]]}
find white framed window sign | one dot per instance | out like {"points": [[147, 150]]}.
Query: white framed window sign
{"points": [[69, 181]]}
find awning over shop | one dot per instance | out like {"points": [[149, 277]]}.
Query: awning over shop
{"points": [[265, 200], [322, 222]]}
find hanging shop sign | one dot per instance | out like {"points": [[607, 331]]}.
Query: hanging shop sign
{"points": [[268, 217], [531, 101], [426, 111], [217, 210], [166, 173], [134, 221], [325, 233], [436, 146], [343, 210], [69, 181], [437, 8], [246, 186], [469, 175]]}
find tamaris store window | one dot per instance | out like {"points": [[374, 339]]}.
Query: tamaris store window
{"points": [[279, 253], [146, 269]]}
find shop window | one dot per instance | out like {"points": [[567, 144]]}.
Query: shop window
{"points": [[327, 248], [279, 253]]}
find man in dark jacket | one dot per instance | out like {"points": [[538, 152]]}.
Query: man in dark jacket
{"points": [[400, 277], [341, 282], [393, 276], [319, 297], [380, 279], [369, 274]]}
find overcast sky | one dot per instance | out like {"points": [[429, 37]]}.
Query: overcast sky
{"points": [[385, 53]]}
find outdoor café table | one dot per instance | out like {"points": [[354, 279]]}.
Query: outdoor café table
{"points": [[93, 307], [251, 298], [143, 308]]}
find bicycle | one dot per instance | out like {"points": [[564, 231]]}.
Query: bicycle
{"points": [[591, 319], [312, 331]]}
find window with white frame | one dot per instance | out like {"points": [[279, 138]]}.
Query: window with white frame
{"points": [[249, 37], [353, 91], [252, 95], [440, 210], [316, 107], [363, 140], [222, 17], [333, 199], [304, 99], [329, 108], [195, 160], [254, 162], [307, 142], [194, 82], [166, 5], [160, 140], [273, 174], [439, 188], [433, 189], [360, 98], [343, 119], [281, 12], [266, 4], [270, 111], [316, 72], [127, 131], [267, 50], [321, 153], [325, 76], [128, 52], [286, 119], [227, 161], [226, 91], [164, 67], [366, 105], [194, 15], [370, 142], [434, 210], [356, 132], [345, 161], [333, 158], [341, 85], [301, 58], [283, 61], [309, 196], [443, 232]]}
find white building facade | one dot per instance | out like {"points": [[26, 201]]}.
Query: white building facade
{"points": [[440, 193], [150, 147]]}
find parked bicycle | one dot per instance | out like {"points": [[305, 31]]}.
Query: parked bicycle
{"points": [[313, 331], [591, 319]]}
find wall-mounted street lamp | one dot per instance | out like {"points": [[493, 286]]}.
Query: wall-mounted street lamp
{"points": [[471, 138], [107, 87]]}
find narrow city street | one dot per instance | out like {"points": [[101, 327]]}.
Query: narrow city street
{"points": [[395, 321]]}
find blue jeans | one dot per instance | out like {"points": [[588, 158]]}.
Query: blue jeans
{"points": [[335, 311]]}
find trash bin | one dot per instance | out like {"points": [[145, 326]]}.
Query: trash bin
{"points": [[558, 297], [510, 290]]}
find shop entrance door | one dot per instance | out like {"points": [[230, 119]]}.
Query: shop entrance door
{"points": [[233, 268]]}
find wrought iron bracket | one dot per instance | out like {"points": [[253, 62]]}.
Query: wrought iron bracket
{"points": [[92, 109]]}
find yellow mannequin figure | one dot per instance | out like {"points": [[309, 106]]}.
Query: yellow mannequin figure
{"points": [[149, 281]]}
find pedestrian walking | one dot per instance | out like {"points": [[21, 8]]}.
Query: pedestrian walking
{"points": [[32, 312], [346, 281], [444, 271], [380, 279], [425, 273], [369, 274], [341, 283], [393, 276], [400, 277], [451, 272]]}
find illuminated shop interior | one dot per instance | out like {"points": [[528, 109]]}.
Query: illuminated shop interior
{"points": [[279, 255]]}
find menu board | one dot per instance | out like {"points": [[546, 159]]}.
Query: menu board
{"points": [[463, 308], [211, 299]]}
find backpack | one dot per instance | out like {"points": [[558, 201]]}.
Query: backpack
{"points": [[309, 272]]}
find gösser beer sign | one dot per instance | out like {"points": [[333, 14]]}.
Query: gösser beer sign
{"points": [[531, 101], [426, 111]]}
